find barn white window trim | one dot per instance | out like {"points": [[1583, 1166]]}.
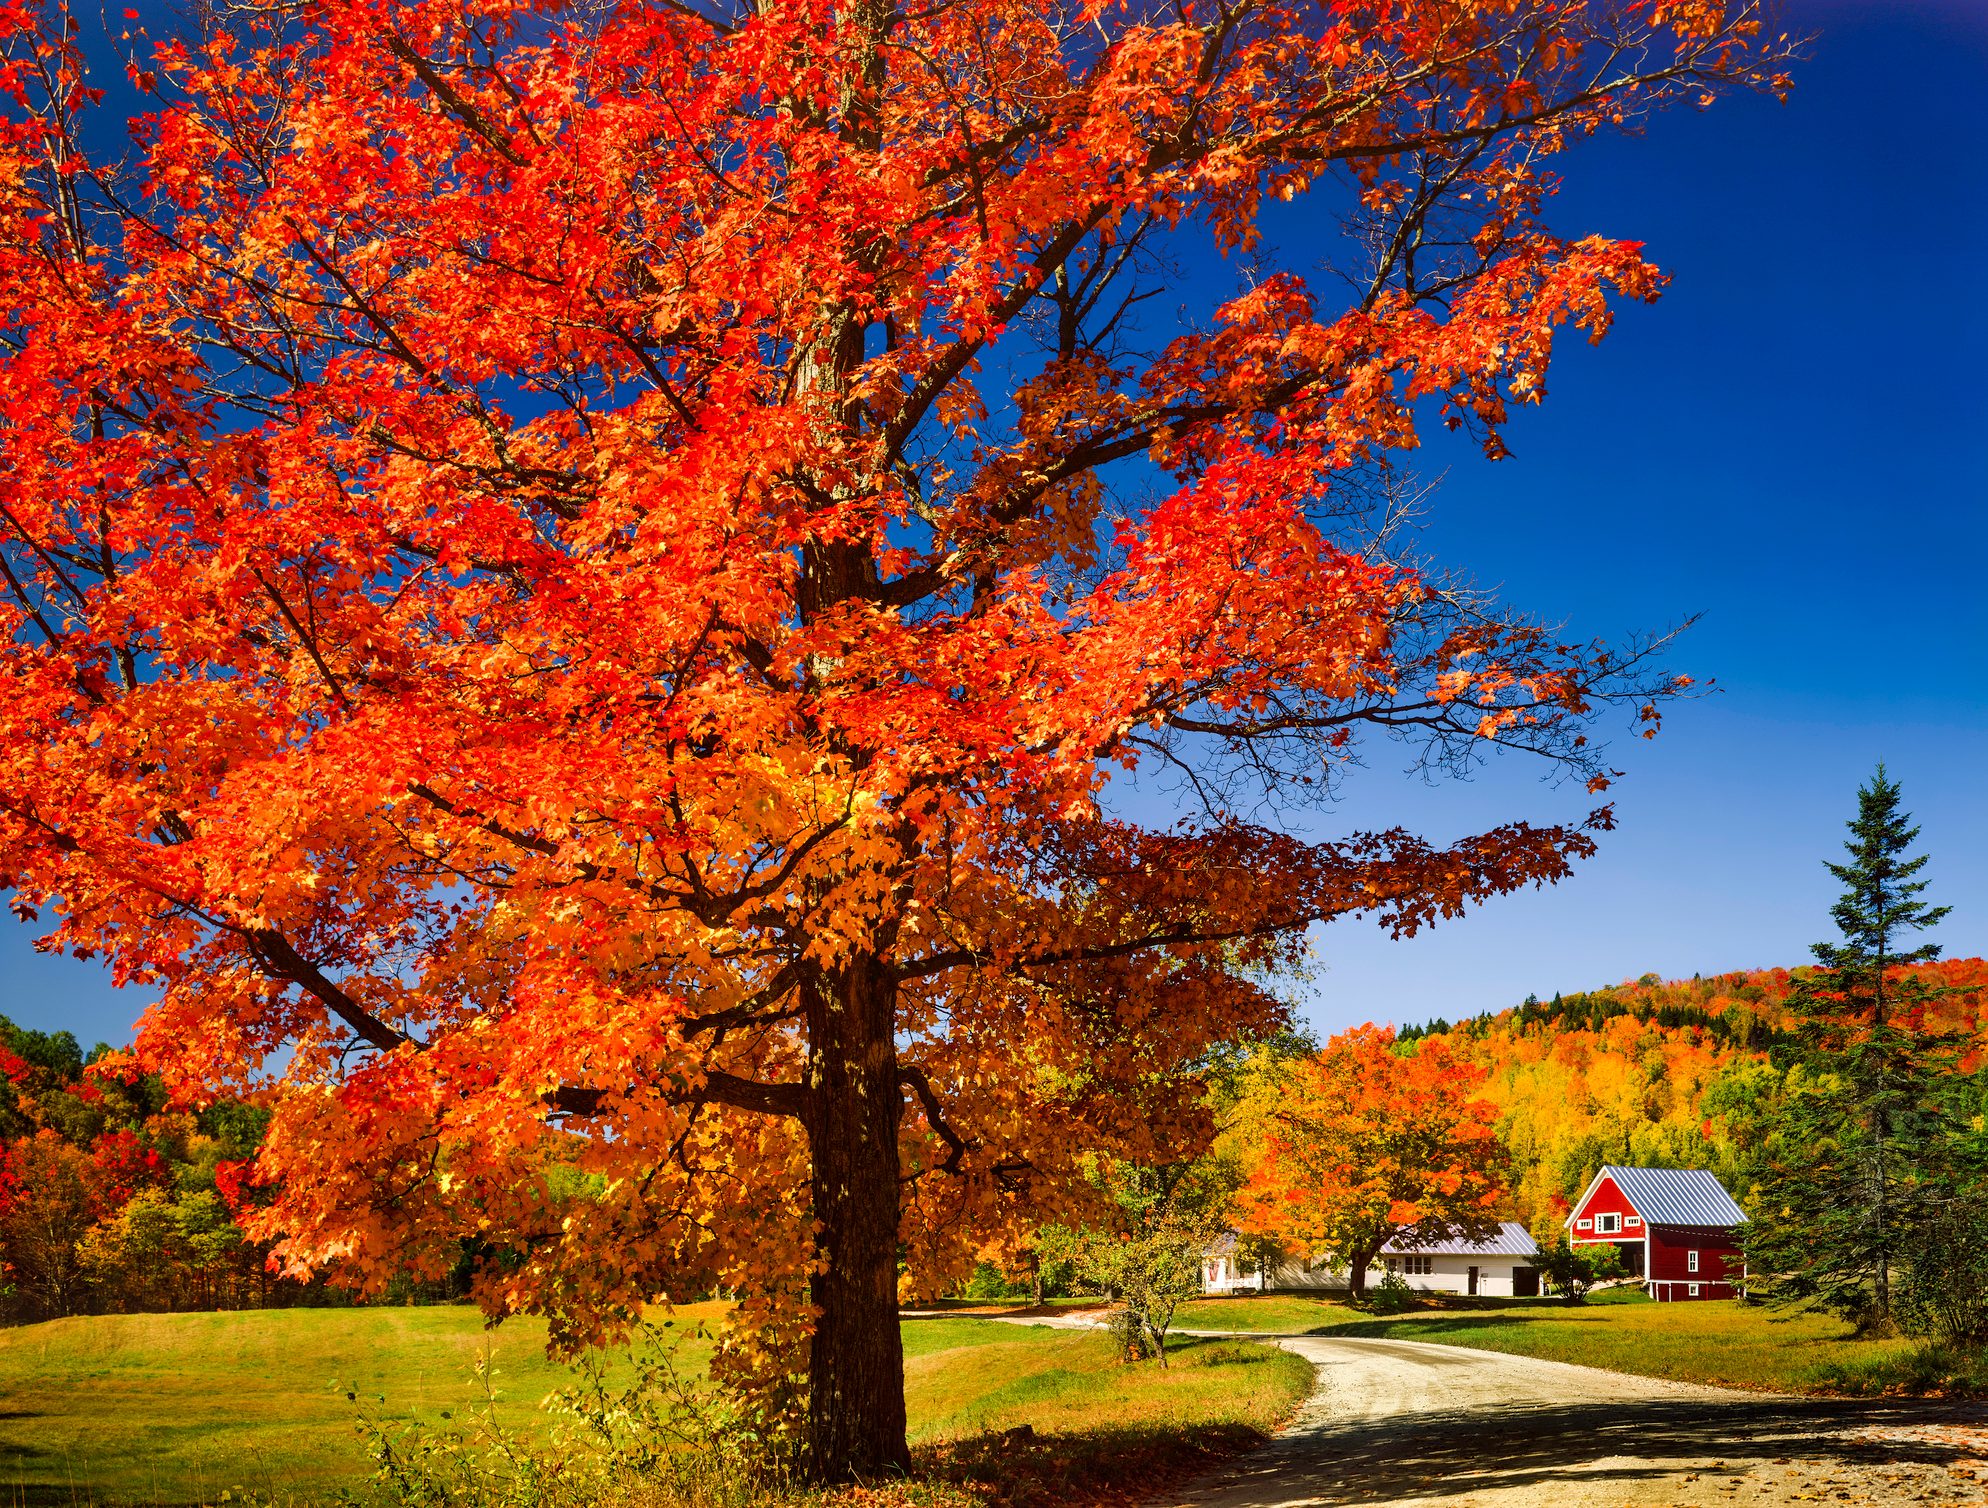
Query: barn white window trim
{"points": [[1422, 1266], [1691, 1261], [1584, 1224], [1608, 1225], [1694, 1290], [1629, 1220]]}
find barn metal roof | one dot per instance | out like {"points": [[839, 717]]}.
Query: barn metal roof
{"points": [[1672, 1196], [1512, 1240]]}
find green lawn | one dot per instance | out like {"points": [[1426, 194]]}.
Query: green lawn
{"points": [[175, 1409], [965, 1377], [1723, 1342], [1264, 1313]]}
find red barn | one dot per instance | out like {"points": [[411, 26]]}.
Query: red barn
{"points": [[1678, 1229]]}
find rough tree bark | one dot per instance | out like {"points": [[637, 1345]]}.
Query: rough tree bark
{"points": [[856, 1425]]}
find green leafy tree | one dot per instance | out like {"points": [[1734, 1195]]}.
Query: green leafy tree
{"points": [[1864, 1149], [1150, 1257], [1571, 1271]]}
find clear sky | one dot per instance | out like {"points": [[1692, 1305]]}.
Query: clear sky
{"points": [[1794, 443]]}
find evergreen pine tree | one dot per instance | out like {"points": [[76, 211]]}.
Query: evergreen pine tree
{"points": [[1862, 1150]]}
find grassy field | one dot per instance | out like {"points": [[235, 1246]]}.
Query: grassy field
{"points": [[1264, 1313], [1723, 1342], [181, 1406], [176, 1409]]}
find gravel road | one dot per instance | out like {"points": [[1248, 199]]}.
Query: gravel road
{"points": [[1410, 1424]]}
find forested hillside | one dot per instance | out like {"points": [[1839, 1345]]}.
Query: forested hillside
{"points": [[1677, 1073]]}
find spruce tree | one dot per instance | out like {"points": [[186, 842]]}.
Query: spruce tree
{"points": [[1862, 1151]]}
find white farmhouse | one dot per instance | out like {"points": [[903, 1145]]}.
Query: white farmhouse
{"points": [[1502, 1267], [1505, 1266]]}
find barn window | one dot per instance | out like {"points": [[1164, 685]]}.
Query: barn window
{"points": [[1632, 1220], [1584, 1224], [1413, 1266], [1694, 1290], [1610, 1224], [1691, 1261]]}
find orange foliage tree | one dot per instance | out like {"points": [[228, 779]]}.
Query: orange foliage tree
{"points": [[1362, 1144], [578, 575]]}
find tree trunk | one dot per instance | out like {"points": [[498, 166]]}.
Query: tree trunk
{"points": [[1357, 1263], [856, 1365]]}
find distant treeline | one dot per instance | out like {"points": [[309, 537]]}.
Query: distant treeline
{"points": [[1741, 1009], [112, 1201]]}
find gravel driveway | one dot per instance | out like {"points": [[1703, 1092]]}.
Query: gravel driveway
{"points": [[1406, 1423]]}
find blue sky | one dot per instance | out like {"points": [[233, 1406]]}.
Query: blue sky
{"points": [[1794, 442]]}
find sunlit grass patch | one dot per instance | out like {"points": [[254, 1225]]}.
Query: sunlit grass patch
{"points": [[1265, 1313], [1722, 1342]]}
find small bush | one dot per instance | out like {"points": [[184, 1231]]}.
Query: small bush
{"points": [[1128, 1334], [1391, 1295]]}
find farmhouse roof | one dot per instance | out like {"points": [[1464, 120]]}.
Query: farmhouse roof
{"points": [[1512, 1240], [1671, 1196]]}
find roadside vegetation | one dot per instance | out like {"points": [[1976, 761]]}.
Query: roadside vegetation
{"points": [[182, 1408], [1724, 1343]]}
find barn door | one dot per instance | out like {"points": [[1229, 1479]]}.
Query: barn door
{"points": [[1473, 1282]]}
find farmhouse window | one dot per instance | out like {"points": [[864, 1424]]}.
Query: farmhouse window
{"points": [[1412, 1266], [1610, 1224], [1584, 1224], [1691, 1261]]}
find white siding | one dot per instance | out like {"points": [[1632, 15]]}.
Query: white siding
{"points": [[1452, 1275], [1449, 1275], [1298, 1275]]}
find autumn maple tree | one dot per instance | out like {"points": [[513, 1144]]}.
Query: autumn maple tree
{"points": [[574, 579], [1361, 1144]]}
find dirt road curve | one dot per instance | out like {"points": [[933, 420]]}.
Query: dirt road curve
{"points": [[1400, 1423]]}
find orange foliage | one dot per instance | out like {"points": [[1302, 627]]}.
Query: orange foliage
{"points": [[1361, 1143]]}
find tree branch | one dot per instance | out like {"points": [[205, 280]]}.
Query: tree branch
{"points": [[913, 1078]]}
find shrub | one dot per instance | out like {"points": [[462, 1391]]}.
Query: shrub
{"points": [[1391, 1295], [1128, 1334], [1944, 1293]]}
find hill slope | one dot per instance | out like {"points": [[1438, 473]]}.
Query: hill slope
{"points": [[1651, 1072]]}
